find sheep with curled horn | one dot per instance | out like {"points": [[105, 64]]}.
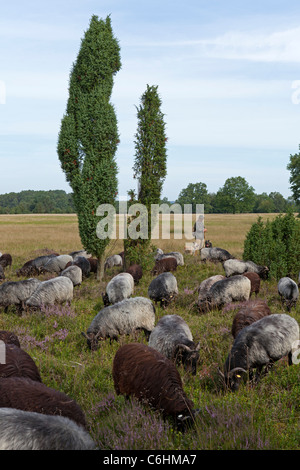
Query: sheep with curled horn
{"points": [[173, 338], [258, 346]]}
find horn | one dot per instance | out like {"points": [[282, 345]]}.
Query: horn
{"points": [[236, 369]]}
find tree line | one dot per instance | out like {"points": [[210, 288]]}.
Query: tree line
{"points": [[236, 196], [37, 202]]}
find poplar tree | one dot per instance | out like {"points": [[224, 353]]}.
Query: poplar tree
{"points": [[150, 164], [88, 137]]}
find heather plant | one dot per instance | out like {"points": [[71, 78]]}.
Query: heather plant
{"points": [[130, 427], [265, 416]]}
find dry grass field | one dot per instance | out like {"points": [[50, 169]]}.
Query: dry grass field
{"points": [[263, 417]]}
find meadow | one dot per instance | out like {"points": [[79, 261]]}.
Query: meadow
{"points": [[261, 417]]}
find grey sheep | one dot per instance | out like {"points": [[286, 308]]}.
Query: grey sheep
{"points": [[34, 266], [56, 264], [172, 337], [28, 430], [120, 287], [83, 263], [56, 290], [214, 254], [77, 253], [236, 266], [30, 395], [173, 254], [163, 289], [74, 273], [17, 292], [113, 260], [206, 285], [259, 345], [122, 318], [288, 291], [232, 289]]}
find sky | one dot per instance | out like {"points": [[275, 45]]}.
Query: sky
{"points": [[227, 72]]}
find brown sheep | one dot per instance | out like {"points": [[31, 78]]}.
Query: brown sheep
{"points": [[9, 338], [164, 265], [29, 395], [18, 363], [136, 271], [146, 374], [5, 260], [248, 313], [93, 262], [255, 282]]}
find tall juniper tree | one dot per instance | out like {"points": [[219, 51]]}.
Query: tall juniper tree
{"points": [[150, 165], [88, 137]]}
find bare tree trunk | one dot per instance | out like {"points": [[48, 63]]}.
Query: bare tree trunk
{"points": [[100, 268]]}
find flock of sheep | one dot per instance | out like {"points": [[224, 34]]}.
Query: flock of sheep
{"points": [[145, 371]]}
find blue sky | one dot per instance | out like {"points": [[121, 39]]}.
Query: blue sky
{"points": [[228, 74]]}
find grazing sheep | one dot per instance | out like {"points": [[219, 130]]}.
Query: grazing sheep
{"points": [[164, 265], [158, 252], [8, 337], [206, 285], [74, 273], [93, 264], [28, 430], [34, 266], [122, 318], [163, 289], [83, 263], [17, 292], [255, 282], [18, 363], [25, 394], [232, 289], [259, 345], [56, 264], [146, 374], [56, 290], [75, 254], [136, 271], [248, 313], [120, 287], [5, 260], [2, 275], [114, 260], [174, 254], [288, 291], [236, 266], [172, 337], [215, 254]]}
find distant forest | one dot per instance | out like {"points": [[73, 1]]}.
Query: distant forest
{"points": [[37, 202], [59, 202]]}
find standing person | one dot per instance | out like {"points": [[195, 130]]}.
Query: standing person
{"points": [[199, 231]]}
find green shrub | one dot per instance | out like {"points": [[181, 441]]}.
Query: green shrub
{"points": [[275, 244]]}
